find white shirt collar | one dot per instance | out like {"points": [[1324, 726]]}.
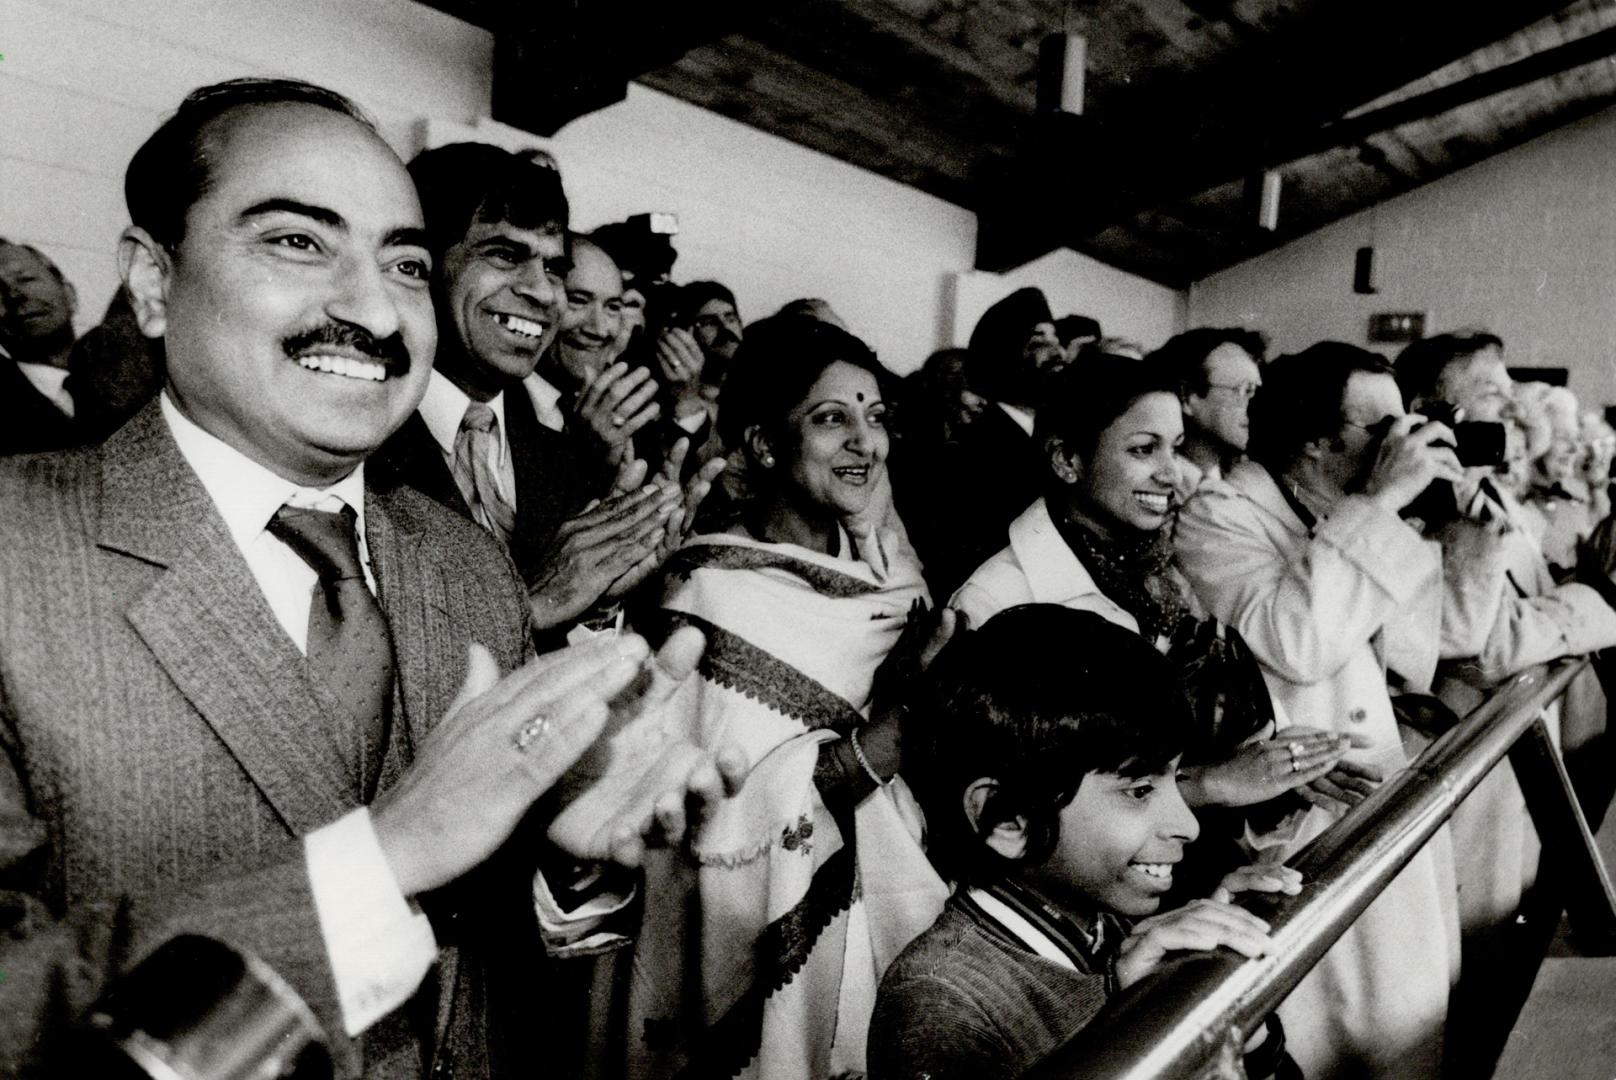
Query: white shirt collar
{"points": [[48, 379], [545, 397], [1023, 417], [443, 407], [1018, 927], [246, 493]]}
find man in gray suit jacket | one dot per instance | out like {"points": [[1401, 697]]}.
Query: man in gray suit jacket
{"points": [[182, 746]]}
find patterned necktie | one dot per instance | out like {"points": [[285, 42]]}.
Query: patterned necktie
{"points": [[476, 450], [350, 652]]}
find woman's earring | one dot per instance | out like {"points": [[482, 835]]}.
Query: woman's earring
{"points": [[766, 460]]}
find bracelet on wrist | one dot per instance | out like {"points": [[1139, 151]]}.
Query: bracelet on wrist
{"points": [[858, 752]]}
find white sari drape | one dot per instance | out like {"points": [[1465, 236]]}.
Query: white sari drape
{"points": [[760, 956]]}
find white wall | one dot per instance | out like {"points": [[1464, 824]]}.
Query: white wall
{"points": [[1523, 244], [83, 82], [1075, 284]]}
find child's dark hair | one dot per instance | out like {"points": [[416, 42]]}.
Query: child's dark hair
{"points": [[1037, 699]]}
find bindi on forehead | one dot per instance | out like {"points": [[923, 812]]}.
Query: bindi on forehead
{"points": [[861, 395]]}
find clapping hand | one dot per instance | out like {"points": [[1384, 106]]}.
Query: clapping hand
{"points": [[593, 552], [501, 744], [617, 402], [646, 779], [1347, 784], [1266, 769]]}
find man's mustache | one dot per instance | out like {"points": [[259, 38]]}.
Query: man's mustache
{"points": [[390, 351]]}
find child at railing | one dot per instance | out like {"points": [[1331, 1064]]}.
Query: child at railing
{"points": [[1048, 774]]}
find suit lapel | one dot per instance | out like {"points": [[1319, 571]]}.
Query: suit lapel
{"points": [[210, 628], [412, 458], [548, 480], [414, 597], [34, 422]]}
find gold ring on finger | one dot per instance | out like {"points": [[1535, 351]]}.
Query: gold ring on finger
{"points": [[1296, 750], [532, 731]]}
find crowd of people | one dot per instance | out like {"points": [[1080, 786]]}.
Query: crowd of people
{"points": [[547, 672]]}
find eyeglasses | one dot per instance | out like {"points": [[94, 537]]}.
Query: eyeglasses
{"points": [[1244, 391]]}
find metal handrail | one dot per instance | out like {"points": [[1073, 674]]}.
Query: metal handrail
{"points": [[1184, 1018]]}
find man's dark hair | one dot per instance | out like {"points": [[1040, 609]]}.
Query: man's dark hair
{"points": [[1301, 399], [467, 182], [640, 253], [995, 365], [696, 295], [1420, 365], [1182, 359], [1084, 399], [173, 168], [778, 363], [1068, 328], [1038, 698]]}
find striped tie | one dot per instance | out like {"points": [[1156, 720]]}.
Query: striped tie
{"points": [[476, 450]]}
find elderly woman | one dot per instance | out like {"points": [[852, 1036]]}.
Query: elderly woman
{"points": [[769, 940], [1557, 492]]}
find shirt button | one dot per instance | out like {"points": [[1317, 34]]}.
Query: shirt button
{"points": [[1358, 716]]}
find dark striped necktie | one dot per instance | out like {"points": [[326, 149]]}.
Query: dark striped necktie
{"points": [[350, 653]]}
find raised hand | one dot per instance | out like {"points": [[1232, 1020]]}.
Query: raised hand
{"points": [[646, 780], [1410, 459], [502, 743], [680, 360], [616, 403], [592, 552], [1264, 770], [1347, 784]]}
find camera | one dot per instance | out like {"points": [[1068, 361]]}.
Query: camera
{"points": [[1475, 442]]}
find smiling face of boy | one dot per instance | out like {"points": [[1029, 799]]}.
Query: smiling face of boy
{"points": [[1120, 839]]}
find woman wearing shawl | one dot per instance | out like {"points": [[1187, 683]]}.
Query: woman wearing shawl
{"points": [[764, 944]]}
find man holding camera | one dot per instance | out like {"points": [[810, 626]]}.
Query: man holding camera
{"points": [[1302, 549], [1509, 601], [1503, 613]]}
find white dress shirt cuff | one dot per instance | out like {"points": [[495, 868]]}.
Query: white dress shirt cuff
{"points": [[380, 948], [577, 932]]}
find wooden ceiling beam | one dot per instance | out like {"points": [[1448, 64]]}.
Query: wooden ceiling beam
{"points": [[1216, 123], [558, 60], [1542, 65]]}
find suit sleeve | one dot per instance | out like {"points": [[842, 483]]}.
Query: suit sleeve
{"points": [[56, 963], [1305, 616], [1489, 619]]}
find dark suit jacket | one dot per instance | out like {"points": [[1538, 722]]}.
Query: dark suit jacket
{"points": [[162, 753], [957, 499], [555, 476], [29, 422]]}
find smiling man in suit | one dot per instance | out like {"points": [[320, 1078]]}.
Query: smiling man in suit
{"points": [[491, 438], [235, 696]]}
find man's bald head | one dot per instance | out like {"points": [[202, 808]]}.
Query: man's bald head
{"points": [[173, 168]]}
